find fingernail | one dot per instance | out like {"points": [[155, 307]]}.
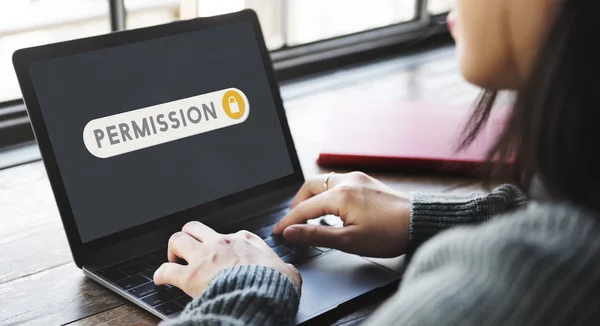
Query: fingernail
{"points": [[174, 236], [157, 272], [292, 233], [275, 229]]}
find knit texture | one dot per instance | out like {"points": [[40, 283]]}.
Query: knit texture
{"points": [[243, 295], [432, 213], [538, 265]]}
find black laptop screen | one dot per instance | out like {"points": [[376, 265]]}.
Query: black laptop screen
{"points": [[144, 130]]}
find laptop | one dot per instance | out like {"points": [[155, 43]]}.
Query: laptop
{"points": [[141, 131]]}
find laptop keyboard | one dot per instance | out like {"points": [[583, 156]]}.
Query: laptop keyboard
{"points": [[135, 276]]}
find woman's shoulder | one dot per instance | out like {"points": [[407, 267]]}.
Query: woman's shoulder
{"points": [[548, 218]]}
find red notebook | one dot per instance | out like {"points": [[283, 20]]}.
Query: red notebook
{"points": [[406, 136]]}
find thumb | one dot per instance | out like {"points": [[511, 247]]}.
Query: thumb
{"points": [[316, 235]]}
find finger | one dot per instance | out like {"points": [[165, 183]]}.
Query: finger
{"points": [[182, 245], [315, 186], [317, 206], [170, 273], [199, 231], [248, 236], [318, 235], [307, 190]]}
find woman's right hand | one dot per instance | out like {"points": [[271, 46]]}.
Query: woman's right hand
{"points": [[376, 218]]}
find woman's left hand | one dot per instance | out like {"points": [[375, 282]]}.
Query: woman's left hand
{"points": [[207, 252]]}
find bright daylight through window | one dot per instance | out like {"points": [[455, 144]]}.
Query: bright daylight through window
{"points": [[285, 23]]}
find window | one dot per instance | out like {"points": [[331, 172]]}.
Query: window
{"points": [[25, 23], [436, 7], [336, 17], [287, 23], [300, 33], [142, 13]]}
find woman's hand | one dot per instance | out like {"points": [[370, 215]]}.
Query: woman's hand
{"points": [[376, 218], [207, 252]]}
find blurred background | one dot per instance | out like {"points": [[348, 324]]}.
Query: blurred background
{"points": [[286, 23], [305, 37]]}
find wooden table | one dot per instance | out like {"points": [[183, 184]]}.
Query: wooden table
{"points": [[39, 284]]}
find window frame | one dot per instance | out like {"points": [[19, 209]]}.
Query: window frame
{"points": [[14, 124], [289, 62]]}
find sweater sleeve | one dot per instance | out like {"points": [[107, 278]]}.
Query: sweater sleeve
{"points": [[432, 213], [243, 295]]}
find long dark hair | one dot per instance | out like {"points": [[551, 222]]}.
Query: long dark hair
{"points": [[554, 128]]}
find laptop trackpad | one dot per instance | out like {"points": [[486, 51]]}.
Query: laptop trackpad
{"points": [[336, 278]]}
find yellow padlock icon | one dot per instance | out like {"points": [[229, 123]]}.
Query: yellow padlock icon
{"points": [[233, 105]]}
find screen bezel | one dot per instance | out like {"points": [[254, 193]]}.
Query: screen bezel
{"points": [[24, 58]]}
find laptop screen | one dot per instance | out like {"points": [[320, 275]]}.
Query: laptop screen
{"points": [[148, 129]]}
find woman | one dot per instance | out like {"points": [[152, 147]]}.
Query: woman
{"points": [[538, 264]]}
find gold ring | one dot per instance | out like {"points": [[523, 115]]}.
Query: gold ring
{"points": [[326, 183]]}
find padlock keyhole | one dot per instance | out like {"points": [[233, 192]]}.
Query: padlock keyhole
{"points": [[233, 105]]}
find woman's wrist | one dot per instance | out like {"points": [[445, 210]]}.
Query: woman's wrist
{"points": [[403, 207], [246, 294], [432, 213], [265, 281]]}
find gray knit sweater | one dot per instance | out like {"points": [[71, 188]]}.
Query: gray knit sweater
{"points": [[535, 265]]}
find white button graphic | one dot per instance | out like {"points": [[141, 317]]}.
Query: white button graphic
{"points": [[134, 130]]}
